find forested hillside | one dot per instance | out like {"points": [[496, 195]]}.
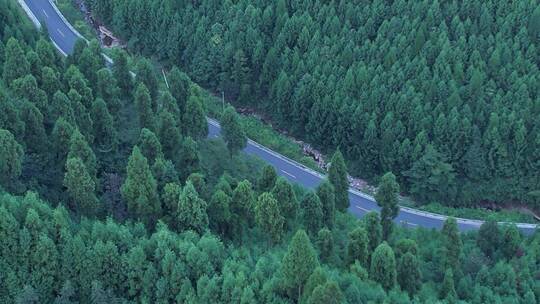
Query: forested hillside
{"points": [[111, 193], [445, 94]]}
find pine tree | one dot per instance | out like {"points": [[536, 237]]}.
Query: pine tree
{"points": [[81, 187], [35, 138], [325, 244], [452, 243], [191, 211], [488, 237], [194, 120], [408, 273], [267, 180], [188, 158], [11, 158], [121, 73], [145, 75], [510, 242], [268, 216], [328, 293], [312, 212], [387, 199], [219, 211], [179, 86], [15, 65], [383, 266], [108, 90], [325, 192], [286, 198], [44, 267], [143, 103], [149, 145], [337, 175], [299, 262], [243, 202], [140, 189], [233, 133], [448, 290], [357, 248], [372, 224], [169, 135], [105, 134], [79, 148]]}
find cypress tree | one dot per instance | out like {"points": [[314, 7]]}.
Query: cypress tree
{"points": [[15, 65], [299, 262], [337, 175], [105, 134], [149, 145], [448, 290], [325, 192], [268, 216], [383, 266], [408, 273], [79, 148], [286, 198], [233, 133], [179, 87], [328, 293], [121, 73], [143, 103], [140, 189], [267, 180], [387, 199], [191, 211], [194, 120], [357, 248], [452, 243], [81, 187], [145, 75], [312, 212], [372, 224], [488, 237], [11, 158], [325, 244]]}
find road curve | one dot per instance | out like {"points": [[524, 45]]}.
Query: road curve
{"points": [[63, 35]]}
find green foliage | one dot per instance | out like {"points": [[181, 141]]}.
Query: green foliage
{"points": [[299, 262], [387, 199], [233, 133], [488, 237], [325, 192], [383, 266], [145, 74], [452, 243], [149, 145], [268, 178], [121, 73], [408, 273], [337, 175], [194, 119], [372, 224], [15, 64], [81, 187], [283, 192], [140, 189], [11, 158], [191, 210], [143, 103], [268, 216], [357, 248], [105, 134], [312, 212]]}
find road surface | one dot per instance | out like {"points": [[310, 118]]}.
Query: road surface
{"points": [[64, 36]]}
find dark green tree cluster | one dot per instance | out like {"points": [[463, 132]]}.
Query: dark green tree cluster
{"points": [[443, 94]]}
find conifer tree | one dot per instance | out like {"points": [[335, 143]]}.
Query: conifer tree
{"points": [[372, 224], [243, 202], [140, 189], [337, 175], [121, 73], [268, 216], [357, 248], [286, 198], [108, 90], [81, 187], [387, 199], [143, 103], [448, 290], [488, 237], [452, 243], [510, 241], [233, 133], [312, 212], [267, 179], [145, 74], [328, 293], [188, 158], [149, 145], [11, 158], [299, 262], [168, 134], [325, 192], [79, 148], [105, 134], [15, 65], [191, 211], [383, 266], [408, 273], [194, 120], [325, 244], [179, 87]]}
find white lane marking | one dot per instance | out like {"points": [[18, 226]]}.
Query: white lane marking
{"points": [[408, 223], [363, 209], [288, 173], [45, 13], [61, 33]]}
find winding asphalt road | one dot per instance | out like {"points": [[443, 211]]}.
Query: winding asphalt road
{"points": [[64, 36]]}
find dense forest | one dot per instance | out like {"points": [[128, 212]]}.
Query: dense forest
{"points": [[110, 192], [445, 94]]}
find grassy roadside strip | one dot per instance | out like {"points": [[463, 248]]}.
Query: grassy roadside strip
{"points": [[267, 136]]}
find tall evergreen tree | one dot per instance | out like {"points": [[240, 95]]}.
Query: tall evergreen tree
{"points": [[81, 187], [268, 216], [383, 266], [268, 178], [15, 65], [452, 243], [140, 189], [387, 199], [337, 175], [145, 74], [233, 133], [194, 120], [286, 198], [408, 273], [325, 192], [143, 103], [121, 73], [357, 248], [11, 158], [299, 262], [191, 211], [372, 224], [312, 212]]}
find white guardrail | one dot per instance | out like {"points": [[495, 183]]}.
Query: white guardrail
{"points": [[214, 122]]}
